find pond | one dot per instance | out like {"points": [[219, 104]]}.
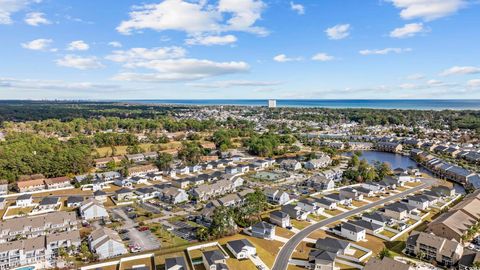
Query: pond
{"points": [[397, 161], [394, 160]]}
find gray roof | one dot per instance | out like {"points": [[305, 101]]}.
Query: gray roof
{"points": [[377, 216], [24, 197], [351, 227], [263, 225], [49, 200], [366, 225], [331, 244], [74, 199], [213, 255], [321, 255], [279, 214], [238, 245], [175, 263]]}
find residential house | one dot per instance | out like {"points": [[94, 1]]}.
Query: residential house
{"points": [[58, 182], [326, 250], [100, 196], [48, 204], [24, 200], [378, 218], [351, 193], [146, 193], [241, 249], [173, 195], [92, 209], [291, 165], [459, 219], [420, 201], [142, 170], [33, 226], [350, 231], [320, 182], [326, 204], [135, 158], [276, 196], [30, 185], [431, 247], [74, 201], [280, 219], [386, 263], [214, 260], [106, 243], [230, 200], [124, 194], [123, 182], [398, 210], [370, 227], [175, 263], [294, 211], [339, 199], [263, 230], [150, 155], [389, 147], [36, 250], [310, 206], [366, 192], [231, 170], [318, 163]]}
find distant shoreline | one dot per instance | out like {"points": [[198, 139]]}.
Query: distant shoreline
{"points": [[386, 104], [401, 104]]}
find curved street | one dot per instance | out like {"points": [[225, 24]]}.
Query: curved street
{"points": [[283, 257]]}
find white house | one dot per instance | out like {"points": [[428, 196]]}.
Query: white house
{"points": [[106, 243], [92, 209], [352, 232], [291, 165], [241, 249], [24, 200], [276, 196], [280, 219], [263, 230]]}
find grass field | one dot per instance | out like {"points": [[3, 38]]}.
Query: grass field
{"points": [[299, 224], [18, 211], [266, 249]]}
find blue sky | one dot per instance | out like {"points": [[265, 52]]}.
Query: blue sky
{"points": [[186, 49]]}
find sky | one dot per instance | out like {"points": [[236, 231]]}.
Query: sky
{"points": [[240, 49]]}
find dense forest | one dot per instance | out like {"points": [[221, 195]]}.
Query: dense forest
{"points": [[24, 154]]}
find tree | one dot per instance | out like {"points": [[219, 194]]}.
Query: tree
{"points": [[385, 253], [164, 161], [190, 152], [383, 169]]}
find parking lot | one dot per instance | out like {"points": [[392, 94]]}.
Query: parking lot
{"points": [[138, 240]]}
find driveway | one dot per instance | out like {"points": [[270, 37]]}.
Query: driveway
{"points": [[283, 257], [145, 240]]}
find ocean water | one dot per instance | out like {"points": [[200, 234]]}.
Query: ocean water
{"points": [[411, 104]]}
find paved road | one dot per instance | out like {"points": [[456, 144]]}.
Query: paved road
{"points": [[281, 261]]}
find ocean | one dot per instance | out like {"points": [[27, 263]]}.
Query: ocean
{"points": [[402, 104]]}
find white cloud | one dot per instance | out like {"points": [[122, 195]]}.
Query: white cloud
{"points": [[8, 7], [196, 17], [339, 31], [283, 58], [36, 19], [475, 83], [427, 10], [385, 51], [79, 62], [115, 44], [40, 44], [78, 45], [141, 54], [408, 30], [181, 70], [323, 57], [170, 64], [460, 70], [300, 9], [228, 84], [211, 40], [33, 84], [415, 76]]}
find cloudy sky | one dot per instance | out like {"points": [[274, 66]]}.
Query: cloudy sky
{"points": [[186, 49]]}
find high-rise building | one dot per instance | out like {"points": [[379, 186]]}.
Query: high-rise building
{"points": [[272, 103]]}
